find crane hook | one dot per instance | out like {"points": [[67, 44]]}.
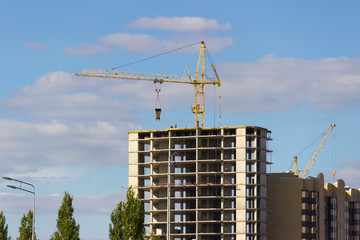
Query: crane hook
{"points": [[157, 104]]}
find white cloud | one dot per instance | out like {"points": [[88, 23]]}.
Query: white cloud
{"points": [[86, 49], [45, 174], [54, 128], [35, 46], [279, 84], [350, 172], [144, 43], [180, 24], [188, 30], [60, 95], [60, 143], [90, 204]]}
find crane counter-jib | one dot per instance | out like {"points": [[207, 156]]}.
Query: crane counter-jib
{"points": [[145, 77]]}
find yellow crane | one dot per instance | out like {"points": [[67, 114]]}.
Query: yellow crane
{"points": [[199, 82], [305, 172]]}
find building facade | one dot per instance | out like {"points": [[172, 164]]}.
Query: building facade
{"points": [[212, 179], [307, 209]]}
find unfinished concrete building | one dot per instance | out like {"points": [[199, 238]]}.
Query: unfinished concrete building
{"points": [[202, 183]]}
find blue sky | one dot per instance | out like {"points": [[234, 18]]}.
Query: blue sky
{"points": [[289, 66]]}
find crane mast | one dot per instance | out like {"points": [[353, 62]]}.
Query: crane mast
{"points": [[305, 172], [199, 82], [199, 107]]}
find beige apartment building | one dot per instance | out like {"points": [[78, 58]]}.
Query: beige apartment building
{"points": [[307, 209], [212, 179]]}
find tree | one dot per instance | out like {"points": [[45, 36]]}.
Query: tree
{"points": [[127, 220], [152, 236], [3, 227], [25, 228], [67, 229]]}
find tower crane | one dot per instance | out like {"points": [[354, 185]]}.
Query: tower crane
{"points": [[199, 82], [304, 173]]}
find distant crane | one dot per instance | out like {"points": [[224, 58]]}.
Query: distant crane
{"points": [[199, 82], [304, 173]]}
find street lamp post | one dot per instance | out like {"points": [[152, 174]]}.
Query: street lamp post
{"points": [[170, 160], [25, 190]]}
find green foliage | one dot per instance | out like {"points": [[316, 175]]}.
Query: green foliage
{"points": [[67, 229], [152, 236], [3, 227], [127, 220], [25, 228]]}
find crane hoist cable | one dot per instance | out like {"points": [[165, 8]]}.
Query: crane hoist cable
{"points": [[154, 56], [333, 155], [199, 81]]}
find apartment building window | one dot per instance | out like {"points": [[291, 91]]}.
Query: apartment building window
{"points": [[250, 215], [346, 220], [147, 147], [250, 131], [310, 216], [250, 167], [250, 142], [250, 155], [250, 179], [146, 171], [250, 228], [250, 191], [250, 203], [331, 218], [354, 220]]}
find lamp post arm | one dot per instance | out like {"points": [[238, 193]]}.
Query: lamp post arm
{"points": [[25, 190], [16, 180]]}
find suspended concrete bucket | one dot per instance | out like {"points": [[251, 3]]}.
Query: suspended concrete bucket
{"points": [[157, 113]]}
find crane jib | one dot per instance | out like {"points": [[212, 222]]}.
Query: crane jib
{"points": [[145, 77], [311, 162]]}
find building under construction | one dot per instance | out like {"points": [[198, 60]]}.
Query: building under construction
{"points": [[212, 179], [215, 183]]}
